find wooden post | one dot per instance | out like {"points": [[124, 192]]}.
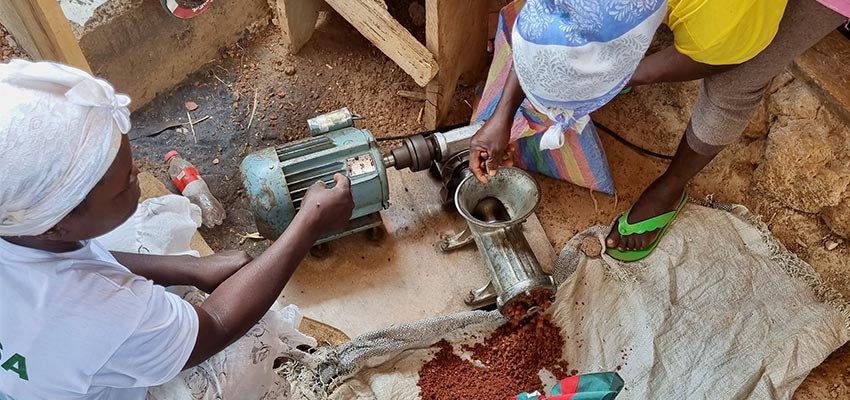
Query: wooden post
{"points": [[43, 31], [297, 21], [376, 24], [456, 32]]}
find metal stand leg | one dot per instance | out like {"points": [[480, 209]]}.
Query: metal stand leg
{"points": [[482, 296], [320, 250], [457, 241]]}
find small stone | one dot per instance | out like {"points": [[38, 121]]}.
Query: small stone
{"points": [[289, 70], [273, 117], [215, 161], [830, 245], [281, 94], [191, 105]]}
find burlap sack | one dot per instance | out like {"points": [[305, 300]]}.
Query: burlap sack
{"points": [[720, 310]]}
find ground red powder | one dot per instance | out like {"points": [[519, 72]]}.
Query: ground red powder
{"points": [[518, 307], [512, 355]]}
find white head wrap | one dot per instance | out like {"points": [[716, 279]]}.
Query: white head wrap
{"points": [[574, 56], [60, 130]]}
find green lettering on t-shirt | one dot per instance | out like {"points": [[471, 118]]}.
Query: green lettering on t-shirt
{"points": [[18, 364]]}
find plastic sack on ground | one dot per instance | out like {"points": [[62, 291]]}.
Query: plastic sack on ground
{"points": [[245, 369], [161, 225], [720, 310]]}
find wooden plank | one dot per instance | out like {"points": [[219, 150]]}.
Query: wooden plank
{"points": [[43, 31], [456, 32], [376, 24], [297, 21]]}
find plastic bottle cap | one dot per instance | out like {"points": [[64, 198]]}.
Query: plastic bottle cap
{"points": [[171, 154]]}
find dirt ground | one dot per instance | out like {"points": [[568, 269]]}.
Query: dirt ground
{"points": [[257, 95], [9, 48]]}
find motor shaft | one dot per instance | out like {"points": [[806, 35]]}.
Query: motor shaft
{"points": [[418, 152]]}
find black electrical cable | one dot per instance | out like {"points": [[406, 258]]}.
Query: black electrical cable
{"points": [[630, 144], [597, 124], [426, 133]]}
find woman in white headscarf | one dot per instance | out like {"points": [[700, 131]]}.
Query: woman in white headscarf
{"points": [[572, 56], [78, 321]]}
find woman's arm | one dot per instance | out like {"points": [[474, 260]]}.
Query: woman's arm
{"points": [[669, 65], [488, 145], [205, 273], [242, 299]]}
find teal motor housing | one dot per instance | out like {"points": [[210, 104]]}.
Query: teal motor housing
{"points": [[277, 178]]}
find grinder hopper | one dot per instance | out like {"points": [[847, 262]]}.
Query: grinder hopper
{"points": [[495, 214]]}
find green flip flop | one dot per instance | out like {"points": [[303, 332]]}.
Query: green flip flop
{"points": [[661, 222]]}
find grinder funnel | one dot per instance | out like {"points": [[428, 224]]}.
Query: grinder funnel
{"points": [[495, 213]]}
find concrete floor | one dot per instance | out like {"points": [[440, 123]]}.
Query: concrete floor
{"points": [[364, 285]]}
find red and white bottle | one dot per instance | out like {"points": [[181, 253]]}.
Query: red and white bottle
{"points": [[189, 182]]}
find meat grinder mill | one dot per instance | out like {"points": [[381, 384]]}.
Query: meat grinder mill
{"points": [[276, 179], [495, 214]]}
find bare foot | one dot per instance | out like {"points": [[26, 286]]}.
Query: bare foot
{"points": [[660, 197]]}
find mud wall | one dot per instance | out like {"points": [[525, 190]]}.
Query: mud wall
{"points": [[144, 51]]}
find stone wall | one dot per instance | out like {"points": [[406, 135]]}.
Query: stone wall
{"points": [[806, 162]]}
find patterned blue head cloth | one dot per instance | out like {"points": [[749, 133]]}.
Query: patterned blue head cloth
{"points": [[573, 56]]}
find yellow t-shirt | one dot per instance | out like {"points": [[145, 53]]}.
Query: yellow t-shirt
{"points": [[723, 32]]}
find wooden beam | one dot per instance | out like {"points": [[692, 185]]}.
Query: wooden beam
{"points": [[43, 31], [297, 21], [456, 32], [376, 24], [381, 3]]}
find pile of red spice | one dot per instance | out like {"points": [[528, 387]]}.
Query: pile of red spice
{"points": [[512, 356]]}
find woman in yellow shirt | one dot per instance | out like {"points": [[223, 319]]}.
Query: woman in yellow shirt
{"points": [[735, 46]]}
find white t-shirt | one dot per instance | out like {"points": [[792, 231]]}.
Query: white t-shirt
{"points": [[78, 325]]}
